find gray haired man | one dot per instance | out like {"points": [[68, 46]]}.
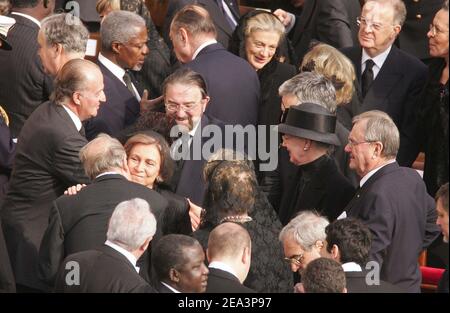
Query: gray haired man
{"points": [[112, 267], [392, 201], [62, 37]]}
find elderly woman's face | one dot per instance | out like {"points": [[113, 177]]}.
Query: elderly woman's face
{"points": [[260, 47], [144, 162], [438, 35]]}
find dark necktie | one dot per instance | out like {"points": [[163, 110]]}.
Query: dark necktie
{"points": [[82, 131], [367, 77], [127, 80], [225, 14]]}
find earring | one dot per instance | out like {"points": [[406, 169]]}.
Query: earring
{"points": [[305, 149]]}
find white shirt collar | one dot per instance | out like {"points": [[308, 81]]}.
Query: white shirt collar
{"points": [[28, 17], [194, 129], [351, 267], [372, 172], [108, 173], [378, 60], [170, 287], [203, 45], [76, 120], [117, 71], [114, 68], [222, 266], [130, 257]]}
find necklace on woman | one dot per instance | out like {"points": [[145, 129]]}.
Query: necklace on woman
{"points": [[236, 219]]}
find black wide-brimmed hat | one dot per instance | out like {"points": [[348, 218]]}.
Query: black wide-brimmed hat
{"points": [[311, 121]]}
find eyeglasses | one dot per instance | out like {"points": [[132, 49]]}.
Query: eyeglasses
{"points": [[295, 259], [353, 143], [436, 30], [174, 107], [362, 21]]}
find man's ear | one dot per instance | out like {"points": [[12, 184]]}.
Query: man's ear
{"points": [[205, 102], [174, 275], [58, 49], [116, 47], [335, 253], [76, 98], [145, 245], [182, 32], [397, 30], [207, 255], [246, 255], [378, 150]]}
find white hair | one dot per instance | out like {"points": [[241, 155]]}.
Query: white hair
{"points": [[131, 224], [306, 229]]}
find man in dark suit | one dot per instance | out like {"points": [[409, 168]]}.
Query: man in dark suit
{"points": [[224, 14], [79, 222], [23, 83], [178, 262], [392, 201], [348, 242], [232, 83], [62, 38], [329, 21], [389, 79], [186, 98], [7, 151], [47, 163], [229, 256], [124, 47], [112, 267]]}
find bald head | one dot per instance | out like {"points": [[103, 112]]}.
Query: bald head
{"points": [[227, 241], [75, 75]]}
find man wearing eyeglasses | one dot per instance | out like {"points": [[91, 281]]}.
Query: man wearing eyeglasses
{"points": [[392, 201], [389, 79], [186, 98]]}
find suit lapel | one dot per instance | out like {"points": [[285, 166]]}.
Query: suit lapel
{"points": [[384, 84], [216, 15], [304, 20]]}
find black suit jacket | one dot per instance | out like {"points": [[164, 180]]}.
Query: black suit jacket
{"points": [[232, 85], [330, 21], [401, 216], [103, 270], [223, 28], [80, 222], [356, 283], [7, 282], [46, 164], [187, 180], [395, 91], [220, 281], [24, 86], [120, 110]]}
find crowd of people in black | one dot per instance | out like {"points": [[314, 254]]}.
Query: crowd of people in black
{"points": [[212, 147]]}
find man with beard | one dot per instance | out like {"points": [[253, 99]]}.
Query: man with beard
{"points": [[185, 99], [124, 47]]}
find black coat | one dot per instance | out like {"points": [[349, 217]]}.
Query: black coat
{"points": [[401, 216], [120, 110], [232, 85], [7, 282], [327, 191], [24, 86], [413, 37], [396, 91], [223, 28], [356, 283], [330, 21], [46, 164], [220, 281], [103, 270], [80, 222]]}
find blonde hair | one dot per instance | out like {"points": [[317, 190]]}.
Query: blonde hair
{"points": [[103, 5], [331, 63], [264, 21]]}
